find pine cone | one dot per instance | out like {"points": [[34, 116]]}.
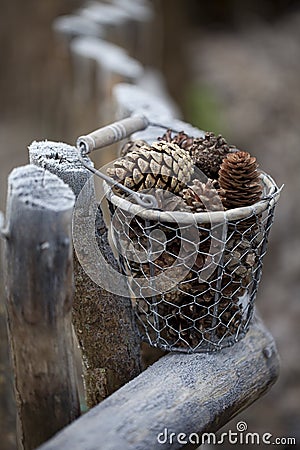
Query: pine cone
{"points": [[239, 180], [163, 165], [181, 139], [208, 153], [173, 297], [167, 201], [187, 326], [202, 196], [230, 318], [130, 146]]}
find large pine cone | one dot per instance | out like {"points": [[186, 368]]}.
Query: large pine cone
{"points": [[163, 165], [208, 153], [130, 146], [202, 196], [239, 180]]}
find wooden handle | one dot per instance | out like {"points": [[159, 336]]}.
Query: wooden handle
{"points": [[111, 133]]}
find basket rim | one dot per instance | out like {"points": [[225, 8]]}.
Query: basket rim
{"points": [[186, 218]]}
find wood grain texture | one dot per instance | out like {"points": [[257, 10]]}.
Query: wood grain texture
{"points": [[103, 321], [183, 393], [39, 280]]}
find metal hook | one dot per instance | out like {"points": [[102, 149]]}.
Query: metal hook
{"points": [[145, 200]]}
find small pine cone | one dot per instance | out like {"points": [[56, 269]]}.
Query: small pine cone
{"points": [[179, 324], [239, 180], [230, 318], [202, 196], [163, 165], [174, 297], [208, 153], [167, 201], [130, 146], [181, 139]]}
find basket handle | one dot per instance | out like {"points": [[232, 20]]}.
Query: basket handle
{"points": [[106, 136], [111, 133]]}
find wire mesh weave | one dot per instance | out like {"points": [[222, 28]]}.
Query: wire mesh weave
{"points": [[193, 278]]}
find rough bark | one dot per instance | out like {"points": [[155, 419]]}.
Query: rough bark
{"points": [[103, 321], [39, 279]]}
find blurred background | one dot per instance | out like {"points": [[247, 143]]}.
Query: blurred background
{"points": [[231, 67]]}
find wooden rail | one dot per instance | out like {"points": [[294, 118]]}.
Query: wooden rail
{"points": [[178, 394]]}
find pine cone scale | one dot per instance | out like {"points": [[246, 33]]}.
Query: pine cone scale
{"points": [[161, 165]]}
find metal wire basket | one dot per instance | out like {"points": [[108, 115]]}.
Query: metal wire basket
{"points": [[193, 277]]}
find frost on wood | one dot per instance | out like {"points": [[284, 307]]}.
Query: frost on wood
{"points": [[108, 56], [118, 12], [39, 189], [72, 26], [61, 159], [130, 99], [104, 14], [137, 9], [183, 393], [153, 84]]}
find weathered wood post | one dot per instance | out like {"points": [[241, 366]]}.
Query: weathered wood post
{"points": [[103, 321], [39, 280]]}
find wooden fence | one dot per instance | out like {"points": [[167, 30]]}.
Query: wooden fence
{"points": [[48, 292]]}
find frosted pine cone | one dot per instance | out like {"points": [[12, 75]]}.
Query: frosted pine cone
{"points": [[202, 196], [167, 201]]}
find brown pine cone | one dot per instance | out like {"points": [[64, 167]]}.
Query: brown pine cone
{"points": [[208, 153], [230, 318], [239, 180], [167, 201], [202, 196], [163, 165], [181, 139]]}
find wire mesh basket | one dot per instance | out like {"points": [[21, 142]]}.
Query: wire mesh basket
{"points": [[193, 277]]}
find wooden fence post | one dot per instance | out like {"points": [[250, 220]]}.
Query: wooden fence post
{"points": [[39, 280], [103, 321]]}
